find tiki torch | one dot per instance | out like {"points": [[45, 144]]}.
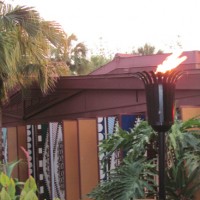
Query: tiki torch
{"points": [[160, 93]]}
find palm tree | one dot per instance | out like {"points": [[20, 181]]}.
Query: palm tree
{"points": [[73, 53], [25, 41]]}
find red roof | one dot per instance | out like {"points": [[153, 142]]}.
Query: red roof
{"points": [[131, 63]]}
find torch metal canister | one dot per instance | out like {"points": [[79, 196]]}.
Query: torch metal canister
{"points": [[160, 94]]}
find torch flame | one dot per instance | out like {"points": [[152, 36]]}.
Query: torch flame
{"points": [[171, 62]]}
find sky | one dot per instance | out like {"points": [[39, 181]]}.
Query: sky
{"points": [[119, 26]]}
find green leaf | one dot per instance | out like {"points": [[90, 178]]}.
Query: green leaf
{"points": [[10, 167], [30, 184], [4, 195], [126, 182], [134, 173], [31, 196], [11, 189], [4, 180]]}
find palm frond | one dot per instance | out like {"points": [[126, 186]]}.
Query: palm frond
{"points": [[25, 17], [25, 42], [53, 32]]}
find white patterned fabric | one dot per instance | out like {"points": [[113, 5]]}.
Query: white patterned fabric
{"points": [[57, 160], [106, 126], [45, 147]]}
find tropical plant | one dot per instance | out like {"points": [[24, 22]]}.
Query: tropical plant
{"points": [[134, 177], [8, 168], [128, 180], [13, 189], [25, 42], [73, 53], [183, 180], [8, 189]]}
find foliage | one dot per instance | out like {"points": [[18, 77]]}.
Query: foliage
{"points": [[97, 61], [134, 177], [99, 57], [73, 53], [127, 181], [184, 146], [135, 171], [147, 49], [8, 189], [25, 42], [13, 189], [182, 185], [134, 141], [8, 168]]}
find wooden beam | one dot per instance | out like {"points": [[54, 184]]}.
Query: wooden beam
{"points": [[88, 155], [71, 154], [22, 142]]}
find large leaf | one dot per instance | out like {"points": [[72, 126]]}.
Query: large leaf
{"points": [[4, 195], [4, 180], [181, 183], [135, 140], [29, 196], [30, 184], [127, 181], [11, 189], [9, 167]]}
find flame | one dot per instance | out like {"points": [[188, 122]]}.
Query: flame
{"points": [[171, 62]]}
